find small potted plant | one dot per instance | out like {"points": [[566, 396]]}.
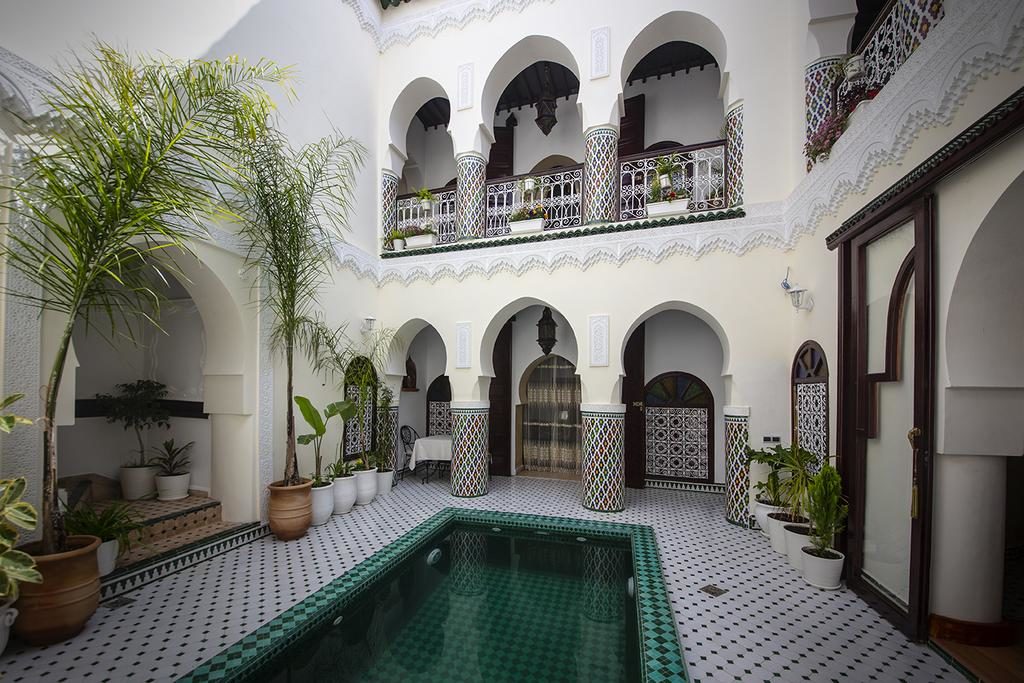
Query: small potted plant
{"points": [[396, 239], [366, 480], [114, 525], [323, 494], [340, 472], [768, 498], [419, 237], [137, 406], [819, 144], [823, 564], [795, 466], [172, 477], [666, 200], [853, 67], [665, 167], [426, 197], [526, 220], [16, 567], [529, 185]]}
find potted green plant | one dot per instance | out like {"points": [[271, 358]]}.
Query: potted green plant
{"points": [[823, 564], [340, 472], [796, 467], [529, 185], [426, 197], [137, 406], [16, 567], [125, 177], [527, 219], [323, 495], [419, 237], [294, 205], [768, 498], [113, 524], [665, 167], [384, 460], [172, 476], [396, 238]]}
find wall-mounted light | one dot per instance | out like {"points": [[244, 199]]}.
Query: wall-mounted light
{"points": [[369, 322], [798, 296]]}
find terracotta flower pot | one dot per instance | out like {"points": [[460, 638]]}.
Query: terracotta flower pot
{"points": [[59, 607], [290, 509]]}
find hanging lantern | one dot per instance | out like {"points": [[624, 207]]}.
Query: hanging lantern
{"points": [[546, 331], [546, 103]]}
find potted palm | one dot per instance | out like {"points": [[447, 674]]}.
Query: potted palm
{"points": [[340, 472], [420, 237], [114, 525], [137, 406], [823, 564], [527, 220], [323, 495], [768, 498], [294, 204], [109, 194], [172, 477], [796, 469], [426, 197]]}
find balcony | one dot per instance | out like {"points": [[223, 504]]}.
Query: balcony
{"points": [[700, 176], [560, 192]]}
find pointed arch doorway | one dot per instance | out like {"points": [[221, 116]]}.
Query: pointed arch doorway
{"points": [[679, 423]]}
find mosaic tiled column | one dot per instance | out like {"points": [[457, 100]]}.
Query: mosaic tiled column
{"points": [[470, 198], [604, 471], [469, 474], [818, 93], [387, 431], [388, 202], [600, 175], [734, 154], [737, 469]]}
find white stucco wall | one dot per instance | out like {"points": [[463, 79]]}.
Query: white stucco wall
{"points": [[685, 107], [428, 353]]}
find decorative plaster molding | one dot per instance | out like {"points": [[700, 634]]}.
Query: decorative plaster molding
{"points": [[598, 331], [23, 87], [600, 52], [463, 345], [464, 87]]}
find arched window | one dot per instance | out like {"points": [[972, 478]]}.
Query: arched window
{"points": [[679, 415], [810, 400], [439, 407], [361, 388]]}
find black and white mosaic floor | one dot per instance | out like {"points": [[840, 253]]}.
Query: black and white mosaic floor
{"points": [[767, 625]]}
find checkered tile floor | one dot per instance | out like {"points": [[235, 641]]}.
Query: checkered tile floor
{"points": [[767, 626]]}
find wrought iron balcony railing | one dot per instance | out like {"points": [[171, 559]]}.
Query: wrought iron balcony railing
{"points": [[560, 192], [700, 174], [410, 214]]}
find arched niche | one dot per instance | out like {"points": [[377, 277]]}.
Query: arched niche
{"points": [[413, 96]]}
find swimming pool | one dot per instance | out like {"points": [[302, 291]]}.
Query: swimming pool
{"points": [[474, 595]]}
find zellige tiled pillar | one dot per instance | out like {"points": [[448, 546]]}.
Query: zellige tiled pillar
{"points": [[737, 469], [600, 175], [470, 195], [819, 77], [388, 201], [604, 467], [734, 154], [469, 475]]}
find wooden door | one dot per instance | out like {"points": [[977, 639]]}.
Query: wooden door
{"points": [[499, 431], [631, 126], [500, 161], [886, 429], [633, 398]]}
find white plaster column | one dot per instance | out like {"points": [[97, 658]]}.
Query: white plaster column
{"points": [[968, 537]]}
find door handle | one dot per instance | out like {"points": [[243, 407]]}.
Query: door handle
{"points": [[638, 404], [912, 438]]}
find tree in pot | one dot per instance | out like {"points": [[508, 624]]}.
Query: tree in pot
{"points": [[322, 494], [822, 564], [114, 524], [105, 197], [172, 476], [795, 471], [294, 204], [16, 567], [137, 406], [768, 498]]}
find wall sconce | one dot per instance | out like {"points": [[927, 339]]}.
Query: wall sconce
{"points": [[369, 322], [798, 296]]}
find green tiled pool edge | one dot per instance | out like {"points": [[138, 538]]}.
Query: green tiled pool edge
{"points": [[659, 643]]}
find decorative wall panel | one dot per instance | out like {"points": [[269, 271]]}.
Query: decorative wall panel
{"points": [[470, 200], [600, 180], [677, 442], [603, 480], [734, 155], [737, 470], [388, 203], [812, 419], [387, 432], [358, 433], [439, 418]]}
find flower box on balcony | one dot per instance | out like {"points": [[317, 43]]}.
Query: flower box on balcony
{"points": [[673, 208], [420, 241], [526, 227]]}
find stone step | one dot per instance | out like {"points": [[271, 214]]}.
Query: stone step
{"points": [[165, 519]]}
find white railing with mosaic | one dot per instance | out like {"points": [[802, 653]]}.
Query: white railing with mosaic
{"points": [[560, 192], [411, 214], [700, 175]]}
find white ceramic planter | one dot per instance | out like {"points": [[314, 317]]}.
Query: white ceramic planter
{"points": [[794, 544], [665, 180], [529, 184], [776, 532], [673, 208], [854, 67], [366, 486], [385, 480], [398, 245], [761, 512], [106, 556], [344, 494], [7, 616], [138, 482], [822, 572], [172, 488], [425, 204], [420, 241], [526, 227], [323, 503]]}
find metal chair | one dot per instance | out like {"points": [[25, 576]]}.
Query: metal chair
{"points": [[408, 436]]}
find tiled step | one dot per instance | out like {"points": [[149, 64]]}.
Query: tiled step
{"points": [[163, 519]]}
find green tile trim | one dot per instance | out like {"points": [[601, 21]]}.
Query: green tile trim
{"points": [[567, 233], [659, 642]]}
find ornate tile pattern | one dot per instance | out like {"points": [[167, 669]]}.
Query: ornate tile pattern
{"points": [[470, 197], [388, 202], [600, 176], [469, 474], [900, 33], [439, 418], [355, 429], [604, 475], [818, 94], [387, 431], [811, 406], [677, 442], [734, 155], [737, 470]]}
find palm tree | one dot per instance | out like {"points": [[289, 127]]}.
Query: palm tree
{"points": [[294, 205], [126, 175]]}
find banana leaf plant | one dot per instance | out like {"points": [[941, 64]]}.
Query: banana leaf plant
{"points": [[342, 409]]}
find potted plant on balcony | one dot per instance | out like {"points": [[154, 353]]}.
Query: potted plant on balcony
{"points": [[819, 144], [420, 237], [137, 406], [396, 240], [526, 220], [340, 472], [427, 198], [768, 498], [823, 564], [322, 492], [114, 525], [665, 200], [665, 167], [16, 567], [172, 477]]}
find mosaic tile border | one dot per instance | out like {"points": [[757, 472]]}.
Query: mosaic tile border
{"points": [[147, 571], [659, 641], [685, 486]]}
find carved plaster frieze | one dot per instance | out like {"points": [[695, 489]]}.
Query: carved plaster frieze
{"points": [[23, 87]]}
